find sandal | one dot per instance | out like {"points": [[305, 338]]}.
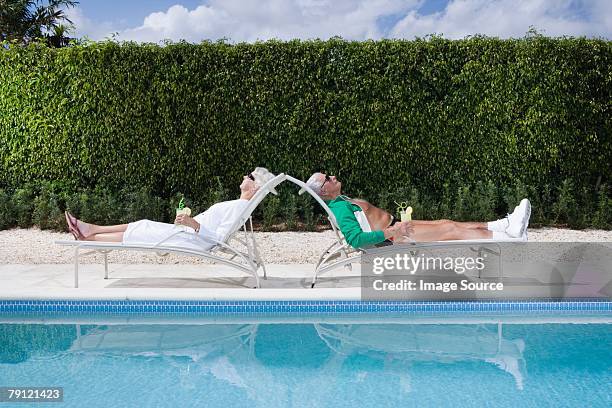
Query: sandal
{"points": [[70, 221]]}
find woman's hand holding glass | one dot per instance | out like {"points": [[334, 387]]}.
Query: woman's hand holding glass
{"points": [[184, 219]]}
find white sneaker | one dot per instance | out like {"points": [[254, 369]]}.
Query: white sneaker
{"points": [[519, 219], [500, 236], [499, 225]]}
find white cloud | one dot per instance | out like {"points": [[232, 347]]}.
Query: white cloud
{"points": [[252, 20], [87, 27], [241, 20], [511, 18]]}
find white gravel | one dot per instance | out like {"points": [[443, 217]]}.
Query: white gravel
{"points": [[33, 246]]}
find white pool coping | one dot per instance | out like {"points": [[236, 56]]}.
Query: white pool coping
{"points": [[189, 282], [151, 281], [184, 294]]}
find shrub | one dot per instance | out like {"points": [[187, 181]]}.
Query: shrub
{"points": [[484, 202], [271, 209], [47, 213], [308, 215], [290, 211], [142, 204], [7, 211], [23, 203], [603, 214], [565, 208], [541, 202], [43, 204]]}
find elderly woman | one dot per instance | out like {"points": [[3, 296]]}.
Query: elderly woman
{"points": [[214, 223]]}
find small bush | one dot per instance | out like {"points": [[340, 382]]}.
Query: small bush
{"points": [[308, 215], [462, 203], [290, 212], [7, 210], [541, 202], [565, 208], [513, 194], [603, 214], [218, 193], [271, 208], [446, 202], [42, 204], [97, 206], [141, 204], [47, 213], [483, 202], [585, 205], [23, 203], [74, 204]]}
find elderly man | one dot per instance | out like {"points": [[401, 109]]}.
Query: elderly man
{"points": [[364, 224]]}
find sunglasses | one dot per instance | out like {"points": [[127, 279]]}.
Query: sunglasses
{"points": [[249, 175], [327, 178]]}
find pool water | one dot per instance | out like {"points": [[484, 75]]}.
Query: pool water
{"points": [[312, 365]]}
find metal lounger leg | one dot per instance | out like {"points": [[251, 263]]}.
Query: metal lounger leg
{"points": [[257, 284], [501, 270], [482, 249], [348, 267], [76, 267], [105, 265], [314, 278], [327, 255], [256, 253]]}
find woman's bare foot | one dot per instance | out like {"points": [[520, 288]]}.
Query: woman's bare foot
{"points": [[71, 221], [85, 229]]}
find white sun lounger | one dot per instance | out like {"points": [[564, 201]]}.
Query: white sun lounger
{"points": [[236, 251], [341, 254]]}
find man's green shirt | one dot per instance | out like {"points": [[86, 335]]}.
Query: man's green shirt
{"points": [[349, 226]]}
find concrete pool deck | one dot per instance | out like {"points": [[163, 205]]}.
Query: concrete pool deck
{"points": [[173, 282], [214, 282]]}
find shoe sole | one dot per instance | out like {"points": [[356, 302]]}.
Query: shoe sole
{"points": [[526, 218]]}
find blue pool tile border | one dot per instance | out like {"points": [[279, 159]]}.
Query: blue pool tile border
{"points": [[294, 307]]}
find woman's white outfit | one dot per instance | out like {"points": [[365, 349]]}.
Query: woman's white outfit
{"points": [[215, 223]]}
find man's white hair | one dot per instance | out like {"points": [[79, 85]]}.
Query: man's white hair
{"points": [[262, 176], [315, 183]]}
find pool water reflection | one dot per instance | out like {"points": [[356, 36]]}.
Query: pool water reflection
{"points": [[312, 364]]}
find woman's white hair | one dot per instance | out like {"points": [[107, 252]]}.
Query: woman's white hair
{"points": [[262, 176]]}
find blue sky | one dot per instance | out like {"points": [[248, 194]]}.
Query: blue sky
{"points": [[132, 13], [252, 20], [129, 13]]}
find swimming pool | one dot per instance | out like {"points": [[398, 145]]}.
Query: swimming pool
{"points": [[167, 360]]}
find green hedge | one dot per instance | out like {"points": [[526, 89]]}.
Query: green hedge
{"points": [[425, 116], [43, 204]]}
